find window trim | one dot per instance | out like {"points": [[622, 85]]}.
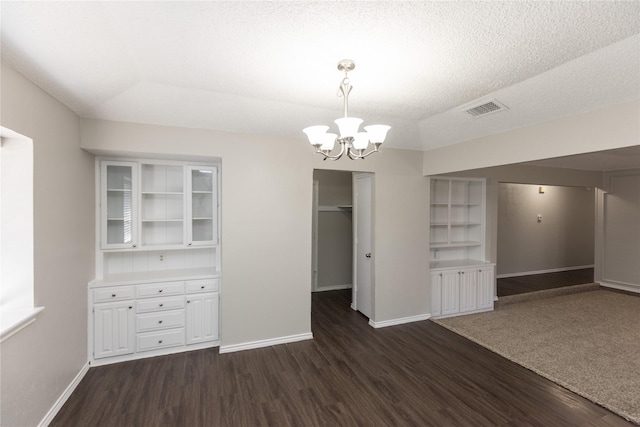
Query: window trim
{"points": [[15, 320], [18, 315]]}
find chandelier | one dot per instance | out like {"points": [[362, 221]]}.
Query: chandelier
{"points": [[352, 143]]}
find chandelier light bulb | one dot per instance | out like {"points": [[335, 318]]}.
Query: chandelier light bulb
{"points": [[348, 126], [377, 133], [315, 134], [361, 141], [328, 141]]}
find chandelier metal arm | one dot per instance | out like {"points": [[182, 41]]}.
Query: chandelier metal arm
{"points": [[326, 154], [359, 155]]}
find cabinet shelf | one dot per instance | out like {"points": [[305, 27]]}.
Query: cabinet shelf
{"points": [[163, 220], [457, 218], [440, 245], [162, 193]]}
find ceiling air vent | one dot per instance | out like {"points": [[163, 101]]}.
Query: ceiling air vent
{"points": [[486, 108]]}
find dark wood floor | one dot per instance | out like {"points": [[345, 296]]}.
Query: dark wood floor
{"points": [[538, 282], [350, 374]]}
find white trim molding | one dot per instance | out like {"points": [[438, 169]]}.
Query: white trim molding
{"points": [[399, 321], [63, 397], [13, 321], [630, 287], [550, 270], [265, 343]]}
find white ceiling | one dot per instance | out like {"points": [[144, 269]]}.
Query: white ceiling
{"points": [[269, 67]]}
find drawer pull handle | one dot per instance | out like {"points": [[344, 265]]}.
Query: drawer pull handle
{"points": [[188, 302], [159, 321], [160, 342], [130, 307], [113, 295], [161, 305], [160, 291], [202, 287]]}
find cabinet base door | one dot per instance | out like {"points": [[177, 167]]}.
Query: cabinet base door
{"points": [[485, 288], [450, 293], [468, 290], [113, 329], [202, 318]]}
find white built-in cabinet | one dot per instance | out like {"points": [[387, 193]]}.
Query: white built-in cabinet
{"points": [[462, 281], [465, 290], [158, 279], [177, 205]]}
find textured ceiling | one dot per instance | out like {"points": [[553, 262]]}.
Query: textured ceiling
{"points": [[270, 67]]}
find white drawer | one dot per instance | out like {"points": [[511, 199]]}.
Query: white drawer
{"points": [[203, 285], [159, 289], [116, 293], [155, 340], [159, 304], [156, 321]]}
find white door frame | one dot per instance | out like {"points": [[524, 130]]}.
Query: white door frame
{"points": [[314, 237]]}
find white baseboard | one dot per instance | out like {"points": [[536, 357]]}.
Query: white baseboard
{"points": [[265, 343], [622, 286], [400, 321], [550, 270], [63, 397]]}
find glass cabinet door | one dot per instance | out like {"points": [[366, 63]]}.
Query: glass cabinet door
{"points": [[118, 204], [202, 226]]}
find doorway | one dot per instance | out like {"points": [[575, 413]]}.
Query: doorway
{"points": [[545, 237], [342, 256]]}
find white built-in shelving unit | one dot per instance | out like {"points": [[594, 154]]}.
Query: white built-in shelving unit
{"points": [[461, 280], [158, 277]]}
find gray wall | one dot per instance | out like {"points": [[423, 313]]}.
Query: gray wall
{"points": [[608, 128], [523, 174], [40, 361], [335, 230], [336, 187], [266, 223], [563, 239]]}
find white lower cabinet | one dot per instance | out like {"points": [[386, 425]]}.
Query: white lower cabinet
{"points": [[113, 324], [202, 317], [147, 319], [450, 293], [461, 290]]}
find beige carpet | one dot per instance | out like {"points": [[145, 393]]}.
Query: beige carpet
{"points": [[588, 342]]}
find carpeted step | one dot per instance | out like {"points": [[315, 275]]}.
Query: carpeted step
{"points": [[547, 293]]}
